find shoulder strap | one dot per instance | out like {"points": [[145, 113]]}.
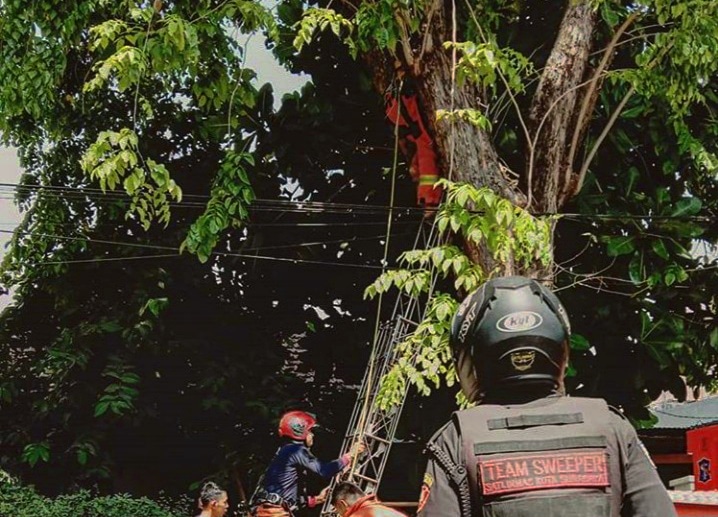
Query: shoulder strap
{"points": [[470, 486]]}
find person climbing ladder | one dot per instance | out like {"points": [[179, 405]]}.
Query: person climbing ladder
{"points": [[282, 490]]}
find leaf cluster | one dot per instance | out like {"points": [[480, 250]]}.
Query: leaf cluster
{"points": [[512, 236]]}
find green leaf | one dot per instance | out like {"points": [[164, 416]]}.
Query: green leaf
{"points": [[579, 342], [101, 408], [687, 206], [660, 248], [570, 371], [620, 245]]}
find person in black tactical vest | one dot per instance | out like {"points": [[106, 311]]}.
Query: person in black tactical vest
{"points": [[526, 449]]}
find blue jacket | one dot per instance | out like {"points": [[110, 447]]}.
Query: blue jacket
{"points": [[287, 470]]}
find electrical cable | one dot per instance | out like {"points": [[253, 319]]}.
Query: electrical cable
{"points": [[372, 356], [214, 253], [257, 248], [308, 206]]}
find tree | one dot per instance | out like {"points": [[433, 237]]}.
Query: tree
{"points": [[595, 108], [611, 100]]}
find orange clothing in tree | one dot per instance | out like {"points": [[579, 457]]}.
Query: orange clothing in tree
{"points": [[417, 145]]}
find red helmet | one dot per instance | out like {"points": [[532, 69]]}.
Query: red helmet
{"points": [[296, 424]]}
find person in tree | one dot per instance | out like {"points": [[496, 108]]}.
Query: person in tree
{"points": [[349, 500], [282, 489], [403, 110], [526, 449], [212, 501]]}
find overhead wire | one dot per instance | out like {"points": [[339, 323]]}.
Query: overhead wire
{"points": [[276, 205], [214, 253]]}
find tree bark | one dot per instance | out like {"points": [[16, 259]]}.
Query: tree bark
{"points": [[430, 66], [466, 153], [553, 109]]}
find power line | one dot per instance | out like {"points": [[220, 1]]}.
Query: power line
{"points": [[164, 255], [105, 259], [257, 206], [323, 206], [261, 248], [83, 192], [214, 253]]}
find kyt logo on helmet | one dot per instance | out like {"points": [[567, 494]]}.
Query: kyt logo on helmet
{"points": [[519, 321]]}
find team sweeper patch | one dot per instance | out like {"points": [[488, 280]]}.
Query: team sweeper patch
{"points": [[537, 471]]}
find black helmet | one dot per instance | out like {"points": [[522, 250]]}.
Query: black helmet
{"points": [[510, 332]]}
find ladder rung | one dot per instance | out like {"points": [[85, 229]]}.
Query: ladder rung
{"points": [[365, 478], [378, 439], [407, 320]]}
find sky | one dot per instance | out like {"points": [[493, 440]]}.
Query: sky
{"points": [[9, 173], [258, 58]]}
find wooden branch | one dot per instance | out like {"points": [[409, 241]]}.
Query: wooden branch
{"points": [[612, 120], [589, 99], [402, 22], [501, 75], [564, 69], [602, 137], [532, 142], [427, 44]]}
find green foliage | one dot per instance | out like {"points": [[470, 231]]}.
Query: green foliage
{"points": [[319, 19], [117, 396], [34, 452], [482, 63], [114, 158], [230, 198], [512, 236], [424, 358], [674, 72], [115, 342], [472, 116], [378, 25], [137, 55], [23, 501], [94, 306]]}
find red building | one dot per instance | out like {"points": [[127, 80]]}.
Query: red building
{"points": [[684, 446]]}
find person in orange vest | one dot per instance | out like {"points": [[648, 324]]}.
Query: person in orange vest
{"points": [[415, 142], [351, 501]]}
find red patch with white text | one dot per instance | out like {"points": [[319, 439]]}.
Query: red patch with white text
{"points": [[538, 471]]}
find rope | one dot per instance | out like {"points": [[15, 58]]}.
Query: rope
{"points": [[372, 357]]}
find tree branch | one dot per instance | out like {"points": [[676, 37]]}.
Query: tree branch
{"points": [[589, 99], [602, 137], [501, 75], [564, 69], [612, 121]]}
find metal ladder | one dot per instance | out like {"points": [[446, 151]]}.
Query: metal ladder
{"points": [[379, 426]]}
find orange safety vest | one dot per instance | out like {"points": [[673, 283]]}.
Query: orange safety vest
{"points": [[405, 112]]}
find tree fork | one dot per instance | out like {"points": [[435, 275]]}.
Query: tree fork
{"points": [[475, 159]]}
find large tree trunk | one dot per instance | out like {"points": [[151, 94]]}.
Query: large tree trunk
{"points": [[466, 153], [475, 159]]}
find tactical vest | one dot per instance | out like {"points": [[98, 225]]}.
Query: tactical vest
{"points": [[557, 457]]}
